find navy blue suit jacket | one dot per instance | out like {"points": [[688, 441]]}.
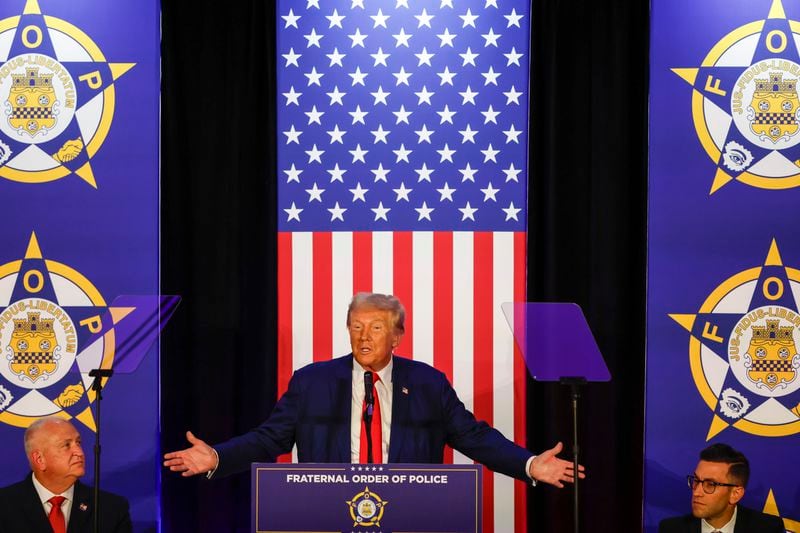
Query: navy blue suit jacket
{"points": [[21, 510], [747, 521], [314, 413]]}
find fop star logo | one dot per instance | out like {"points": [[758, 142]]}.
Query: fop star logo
{"points": [[745, 104], [57, 98], [743, 350], [48, 312], [366, 508]]}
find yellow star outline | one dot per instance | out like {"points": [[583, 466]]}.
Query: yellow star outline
{"points": [[771, 507], [117, 70], [711, 85], [117, 314], [687, 321]]}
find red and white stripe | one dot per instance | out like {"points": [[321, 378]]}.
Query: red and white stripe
{"points": [[452, 285]]}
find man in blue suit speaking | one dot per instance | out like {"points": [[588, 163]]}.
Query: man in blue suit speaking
{"points": [[371, 406]]}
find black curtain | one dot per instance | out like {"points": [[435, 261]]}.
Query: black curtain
{"points": [[586, 242], [588, 199]]}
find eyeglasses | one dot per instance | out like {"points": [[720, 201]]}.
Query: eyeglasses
{"points": [[709, 485]]}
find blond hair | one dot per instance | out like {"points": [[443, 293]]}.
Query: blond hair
{"points": [[383, 302]]}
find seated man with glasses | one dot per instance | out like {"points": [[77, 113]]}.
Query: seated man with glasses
{"points": [[718, 483]]}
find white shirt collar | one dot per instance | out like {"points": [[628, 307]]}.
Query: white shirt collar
{"points": [[705, 527], [45, 494]]}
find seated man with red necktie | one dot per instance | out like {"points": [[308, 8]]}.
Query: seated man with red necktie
{"points": [[51, 499], [718, 483], [415, 413]]}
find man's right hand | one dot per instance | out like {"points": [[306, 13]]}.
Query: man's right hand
{"points": [[197, 459]]}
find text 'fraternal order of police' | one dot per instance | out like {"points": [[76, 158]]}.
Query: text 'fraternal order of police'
{"points": [[424, 479]]}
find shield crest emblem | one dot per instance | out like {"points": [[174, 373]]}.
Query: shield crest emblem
{"points": [[33, 345], [32, 97], [771, 351], [775, 105]]}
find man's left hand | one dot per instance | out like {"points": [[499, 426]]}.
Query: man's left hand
{"points": [[548, 468]]}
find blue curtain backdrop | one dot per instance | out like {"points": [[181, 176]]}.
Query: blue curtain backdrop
{"points": [[722, 363], [79, 142]]}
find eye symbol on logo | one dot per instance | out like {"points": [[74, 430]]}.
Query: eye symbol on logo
{"points": [[736, 157], [733, 404]]}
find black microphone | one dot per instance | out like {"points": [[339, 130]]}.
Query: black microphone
{"points": [[368, 395], [370, 401]]}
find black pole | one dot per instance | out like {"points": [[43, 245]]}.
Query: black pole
{"points": [[98, 374], [575, 452], [575, 384]]}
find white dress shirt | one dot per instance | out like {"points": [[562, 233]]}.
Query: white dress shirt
{"points": [[705, 527], [44, 495], [383, 389]]}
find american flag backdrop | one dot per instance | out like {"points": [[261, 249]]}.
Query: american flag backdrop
{"points": [[402, 167]]}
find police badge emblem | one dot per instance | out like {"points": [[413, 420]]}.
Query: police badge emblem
{"points": [[57, 98], [366, 508], [743, 350], [47, 313], [745, 105]]}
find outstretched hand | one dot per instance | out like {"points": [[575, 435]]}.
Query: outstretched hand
{"points": [[197, 459], [550, 469]]}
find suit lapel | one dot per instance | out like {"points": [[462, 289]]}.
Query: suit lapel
{"points": [[400, 392], [341, 398], [742, 521], [33, 509], [81, 506]]}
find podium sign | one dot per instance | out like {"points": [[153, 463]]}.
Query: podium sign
{"points": [[366, 498]]}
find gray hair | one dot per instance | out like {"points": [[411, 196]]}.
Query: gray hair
{"points": [[383, 302], [33, 430]]}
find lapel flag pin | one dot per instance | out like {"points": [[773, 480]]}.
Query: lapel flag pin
{"points": [[404, 390], [83, 507]]}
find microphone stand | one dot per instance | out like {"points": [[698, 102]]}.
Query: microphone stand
{"points": [[370, 400], [575, 384], [98, 374]]}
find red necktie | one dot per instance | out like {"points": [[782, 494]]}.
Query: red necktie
{"points": [[377, 452], [56, 517]]}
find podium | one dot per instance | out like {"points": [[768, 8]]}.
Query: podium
{"points": [[343, 497]]}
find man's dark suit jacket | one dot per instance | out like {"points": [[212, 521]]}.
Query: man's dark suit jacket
{"points": [[747, 521], [22, 511], [314, 413]]}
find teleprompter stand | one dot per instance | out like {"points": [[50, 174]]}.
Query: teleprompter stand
{"points": [[136, 322], [558, 346]]}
